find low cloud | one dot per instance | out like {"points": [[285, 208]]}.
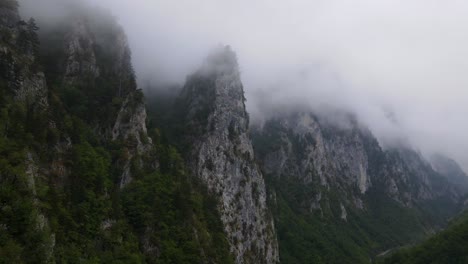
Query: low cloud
{"points": [[404, 59]]}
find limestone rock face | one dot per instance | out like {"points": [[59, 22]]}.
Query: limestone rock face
{"points": [[298, 146], [222, 156], [131, 126], [347, 159], [79, 49], [96, 50]]}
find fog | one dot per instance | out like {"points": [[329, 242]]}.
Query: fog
{"points": [[400, 66]]}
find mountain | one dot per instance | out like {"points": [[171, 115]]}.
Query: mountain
{"points": [[221, 155], [448, 246], [82, 181], [338, 197], [88, 60], [91, 174], [450, 169]]}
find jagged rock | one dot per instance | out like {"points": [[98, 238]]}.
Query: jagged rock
{"points": [[222, 156], [348, 159], [451, 170], [344, 214], [18, 62], [41, 221], [131, 122], [79, 49], [310, 152], [84, 49]]}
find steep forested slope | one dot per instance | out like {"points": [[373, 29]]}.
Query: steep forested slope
{"points": [[81, 181], [85, 179], [448, 246], [338, 197]]}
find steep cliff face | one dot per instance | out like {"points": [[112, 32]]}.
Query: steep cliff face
{"points": [[18, 58], [325, 171], [450, 169], [80, 59], [95, 51], [349, 158], [410, 179], [90, 59], [23, 106], [313, 154], [79, 175], [222, 156]]}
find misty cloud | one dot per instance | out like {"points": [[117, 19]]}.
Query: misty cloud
{"points": [[405, 59]]}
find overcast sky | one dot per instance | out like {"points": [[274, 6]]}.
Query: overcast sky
{"points": [[372, 57]]}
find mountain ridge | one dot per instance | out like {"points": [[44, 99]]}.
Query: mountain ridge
{"points": [[86, 178]]}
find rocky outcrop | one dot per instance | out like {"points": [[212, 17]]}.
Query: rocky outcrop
{"points": [[222, 156], [18, 63], [346, 158], [23, 88], [96, 50], [80, 60], [130, 126], [327, 157], [451, 170], [410, 179]]}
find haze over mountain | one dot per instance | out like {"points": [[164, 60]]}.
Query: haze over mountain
{"points": [[135, 143], [407, 58]]}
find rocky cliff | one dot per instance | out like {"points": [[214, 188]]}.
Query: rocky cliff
{"points": [[81, 180], [347, 156], [330, 168], [18, 57], [449, 168], [222, 156], [23, 108], [52, 108], [89, 56]]}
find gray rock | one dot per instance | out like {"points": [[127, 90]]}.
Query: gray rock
{"points": [[347, 159], [222, 156]]}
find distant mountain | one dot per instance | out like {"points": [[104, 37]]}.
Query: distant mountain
{"points": [[338, 197], [450, 169]]}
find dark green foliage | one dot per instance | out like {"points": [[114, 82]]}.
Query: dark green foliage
{"points": [[449, 246], [182, 220], [21, 240], [323, 237], [60, 194], [191, 110], [311, 235]]}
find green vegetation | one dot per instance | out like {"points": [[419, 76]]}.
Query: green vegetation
{"points": [[60, 195], [308, 217], [162, 216], [316, 236], [448, 246]]}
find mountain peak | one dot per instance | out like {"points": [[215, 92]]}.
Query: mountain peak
{"points": [[222, 60], [222, 156]]}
